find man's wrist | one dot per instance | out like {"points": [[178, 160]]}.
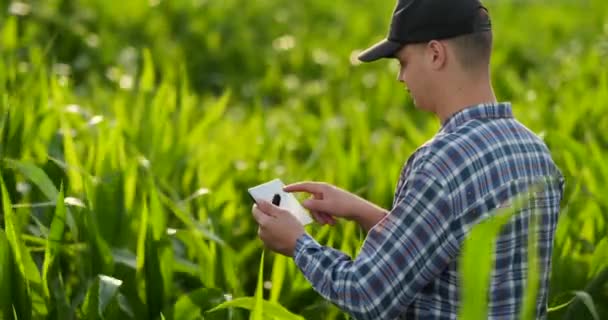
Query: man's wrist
{"points": [[360, 209], [370, 217]]}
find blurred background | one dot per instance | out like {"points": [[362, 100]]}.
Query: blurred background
{"points": [[130, 131]]}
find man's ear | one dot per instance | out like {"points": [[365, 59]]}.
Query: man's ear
{"points": [[437, 54]]}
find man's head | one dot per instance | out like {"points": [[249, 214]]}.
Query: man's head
{"points": [[440, 45]]}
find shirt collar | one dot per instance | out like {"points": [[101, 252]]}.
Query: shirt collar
{"points": [[480, 111]]}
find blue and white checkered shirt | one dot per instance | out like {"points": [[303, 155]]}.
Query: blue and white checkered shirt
{"points": [[408, 266]]}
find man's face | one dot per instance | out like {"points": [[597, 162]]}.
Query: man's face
{"points": [[414, 74]]}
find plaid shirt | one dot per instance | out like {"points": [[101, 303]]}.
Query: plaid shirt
{"points": [[407, 267]]}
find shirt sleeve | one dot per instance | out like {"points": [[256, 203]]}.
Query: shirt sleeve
{"points": [[401, 254]]}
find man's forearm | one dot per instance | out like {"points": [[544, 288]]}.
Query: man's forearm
{"points": [[370, 216]]}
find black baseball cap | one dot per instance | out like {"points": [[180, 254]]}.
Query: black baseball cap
{"points": [[416, 21]]}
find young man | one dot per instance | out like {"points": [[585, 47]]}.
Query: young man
{"points": [[480, 160]]}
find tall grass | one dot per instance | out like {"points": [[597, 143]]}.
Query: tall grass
{"points": [[130, 130]]}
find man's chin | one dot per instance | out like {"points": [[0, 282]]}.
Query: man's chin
{"points": [[419, 106]]}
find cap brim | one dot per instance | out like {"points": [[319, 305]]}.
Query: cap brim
{"points": [[382, 49]]}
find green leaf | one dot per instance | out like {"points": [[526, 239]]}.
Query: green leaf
{"points": [[102, 291], [213, 113], [102, 257], [124, 305], [46, 186], [3, 126], [37, 176], [154, 281], [259, 293], [54, 240], [278, 275], [476, 261], [528, 310], [6, 266], [588, 302], [475, 267], [149, 275], [163, 251], [271, 310], [191, 306], [52, 280], [229, 270], [561, 306], [108, 288], [599, 261], [71, 158], [125, 257], [90, 305], [146, 82], [141, 251], [190, 222], [9, 34], [23, 266], [158, 218]]}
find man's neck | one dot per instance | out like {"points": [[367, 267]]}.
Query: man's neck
{"points": [[463, 97]]}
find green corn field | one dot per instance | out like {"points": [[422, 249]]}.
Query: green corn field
{"points": [[130, 131]]}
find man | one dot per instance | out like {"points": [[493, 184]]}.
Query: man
{"points": [[480, 160]]}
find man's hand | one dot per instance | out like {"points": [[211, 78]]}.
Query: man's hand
{"points": [[279, 229], [328, 201]]}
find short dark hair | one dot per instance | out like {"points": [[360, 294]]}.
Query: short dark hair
{"points": [[473, 50]]}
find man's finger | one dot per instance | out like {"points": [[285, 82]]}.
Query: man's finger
{"points": [[270, 209], [315, 205], [328, 218], [261, 217], [306, 186], [257, 207], [325, 217], [317, 217]]}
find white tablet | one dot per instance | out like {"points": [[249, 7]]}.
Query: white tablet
{"points": [[273, 190]]}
